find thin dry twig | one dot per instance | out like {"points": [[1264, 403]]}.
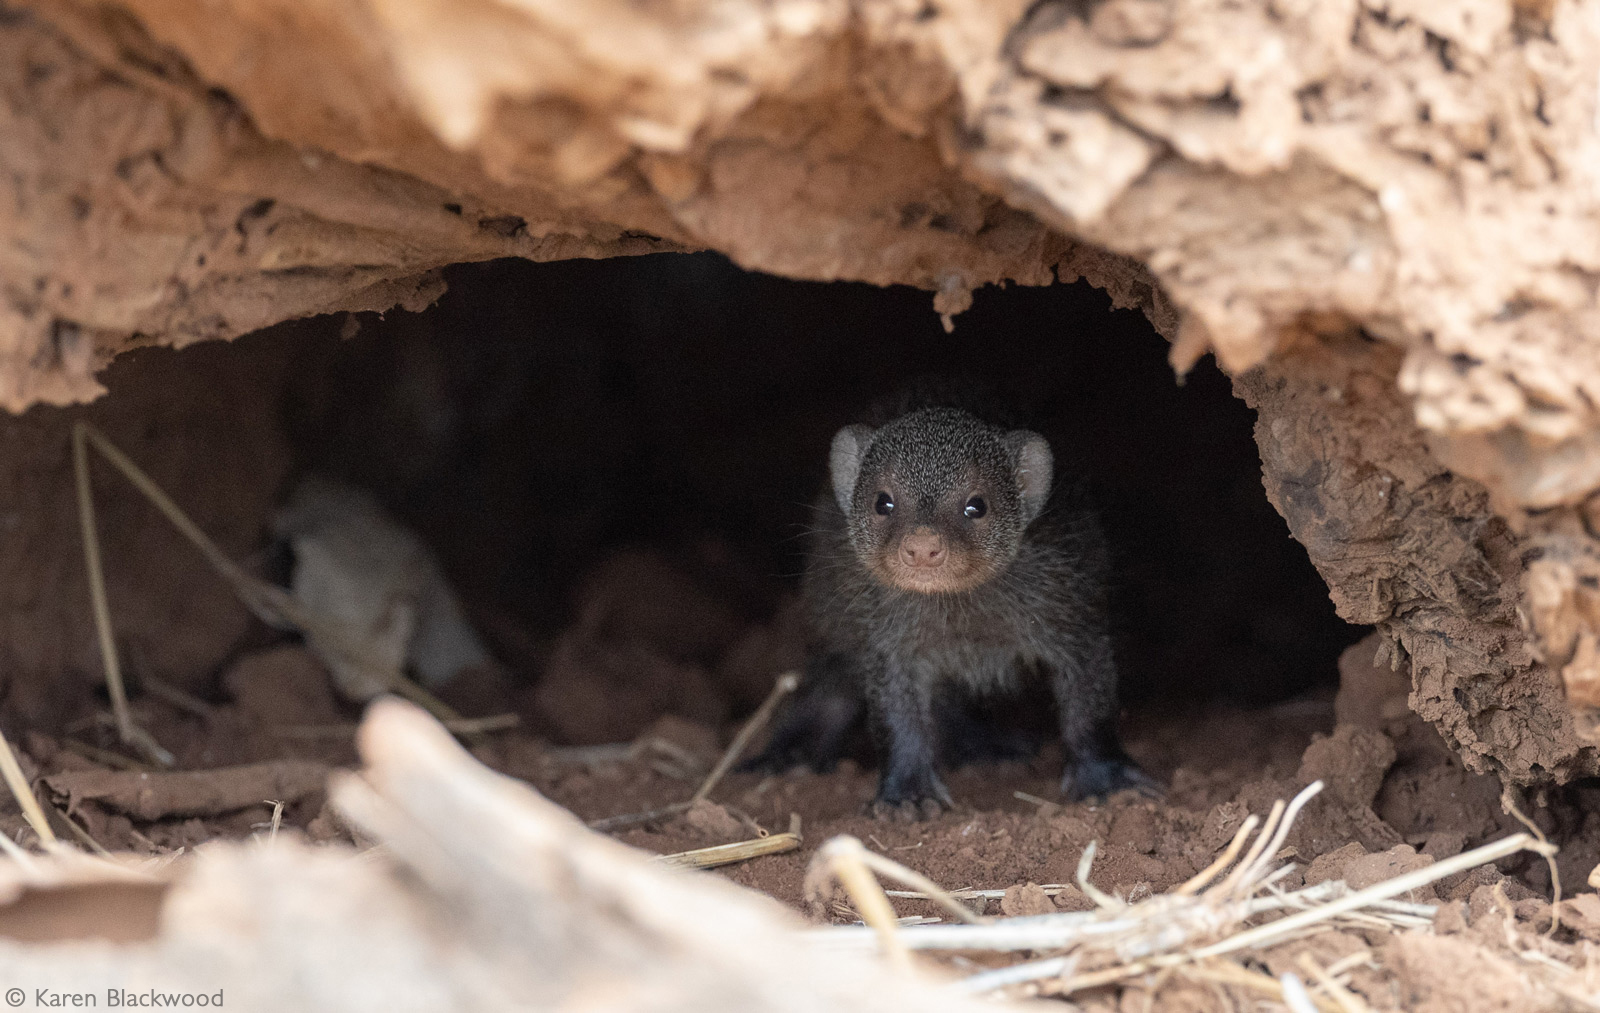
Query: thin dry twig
{"points": [[270, 603], [277, 820], [1347, 1000], [1508, 802], [885, 866], [105, 757], [786, 684], [1212, 871], [843, 859], [1195, 927], [31, 810], [1224, 972], [626, 820], [1102, 900], [83, 835], [166, 691], [728, 854], [1382, 891], [97, 584]]}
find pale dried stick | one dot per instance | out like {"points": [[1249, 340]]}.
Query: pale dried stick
{"points": [[1019, 974], [277, 820], [83, 836], [1295, 995], [783, 687], [625, 820], [728, 854], [1228, 973], [1351, 962], [1212, 871], [841, 858], [1050, 890], [885, 866], [1094, 893], [1253, 870], [1348, 1001], [1104, 976], [1382, 891], [14, 852], [1509, 804], [31, 810], [1237, 876], [101, 608], [104, 757]]}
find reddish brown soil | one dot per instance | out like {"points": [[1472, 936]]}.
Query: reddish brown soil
{"points": [[1392, 786]]}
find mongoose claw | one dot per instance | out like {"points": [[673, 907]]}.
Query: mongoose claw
{"points": [[915, 795], [907, 812], [1101, 777]]}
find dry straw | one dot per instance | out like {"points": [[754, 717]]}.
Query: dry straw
{"points": [[1217, 914], [785, 684]]}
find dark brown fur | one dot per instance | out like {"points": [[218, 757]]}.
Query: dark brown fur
{"points": [[1019, 597]]}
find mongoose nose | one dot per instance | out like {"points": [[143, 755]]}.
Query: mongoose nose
{"points": [[923, 549]]}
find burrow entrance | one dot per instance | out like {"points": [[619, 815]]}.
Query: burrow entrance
{"points": [[613, 462]]}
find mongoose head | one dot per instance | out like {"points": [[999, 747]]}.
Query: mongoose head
{"points": [[937, 500]]}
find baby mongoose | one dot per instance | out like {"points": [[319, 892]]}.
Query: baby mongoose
{"points": [[943, 570]]}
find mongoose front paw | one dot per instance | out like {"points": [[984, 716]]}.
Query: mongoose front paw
{"points": [[907, 812], [911, 794], [1099, 777]]}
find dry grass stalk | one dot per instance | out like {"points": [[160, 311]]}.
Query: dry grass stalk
{"points": [[82, 835], [1050, 890], [31, 810], [97, 589], [925, 887], [163, 690], [843, 859], [270, 603], [1212, 916], [786, 684], [728, 854], [14, 852], [104, 757], [1508, 802], [1288, 989], [626, 820], [783, 687], [1347, 1000]]}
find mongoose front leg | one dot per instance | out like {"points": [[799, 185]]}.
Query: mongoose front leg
{"points": [[901, 707], [1084, 685]]}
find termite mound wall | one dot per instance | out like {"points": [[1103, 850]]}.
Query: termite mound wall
{"points": [[1381, 219]]}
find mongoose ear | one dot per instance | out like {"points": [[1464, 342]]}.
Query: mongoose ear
{"points": [[849, 446], [1035, 469]]}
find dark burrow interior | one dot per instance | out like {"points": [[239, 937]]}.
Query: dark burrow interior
{"points": [[528, 430], [614, 463]]}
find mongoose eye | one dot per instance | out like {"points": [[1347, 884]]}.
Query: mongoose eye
{"points": [[976, 508], [885, 504]]}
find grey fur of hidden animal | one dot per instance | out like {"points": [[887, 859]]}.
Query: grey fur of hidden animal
{"points": [[949, 564], [364, 570]]}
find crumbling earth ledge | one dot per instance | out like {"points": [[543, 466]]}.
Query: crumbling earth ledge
{"points": [[1383, 219]]}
